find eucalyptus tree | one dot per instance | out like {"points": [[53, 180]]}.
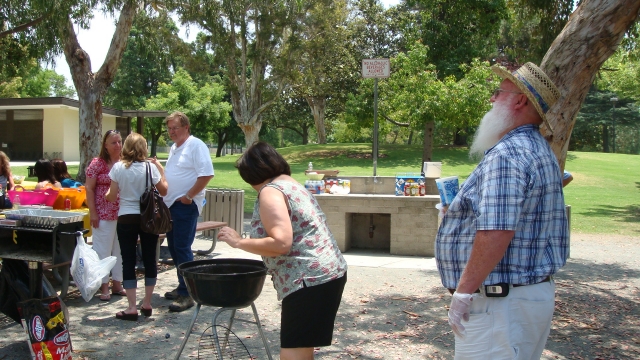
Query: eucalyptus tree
{"points": [[154, 51], [256, 42], [575, 57], [325, 66], [373, 30], [48, 28]]}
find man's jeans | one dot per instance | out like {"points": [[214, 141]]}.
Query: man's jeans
{"points": [[181, 236]]}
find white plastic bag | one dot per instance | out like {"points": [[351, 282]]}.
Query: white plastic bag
{"points": [[88, 270]]}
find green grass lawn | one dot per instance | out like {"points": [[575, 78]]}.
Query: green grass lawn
{"points": [[604, 195]]}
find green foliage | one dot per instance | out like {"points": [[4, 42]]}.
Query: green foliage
{"points": [[456, 32], [414, 95], [375, 32], [203, 105], [598, 122], [34, 82], [153, 49], [32, 29], [620, 74], [531, 27], [293, 114]]}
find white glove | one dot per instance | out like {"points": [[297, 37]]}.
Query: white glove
{"points": [[458, 311]]}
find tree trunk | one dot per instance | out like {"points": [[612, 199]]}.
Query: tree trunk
{"points": [[154, 141], [91, 87], [305, 135], [590, 37], [318, 105], [222, 140], [605, 138], [251, 132], [427, 147]]}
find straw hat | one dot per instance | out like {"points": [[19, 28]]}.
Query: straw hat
{"points": [[534, 83]]}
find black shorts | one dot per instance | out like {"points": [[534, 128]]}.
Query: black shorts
{"points": [[308, 315]]}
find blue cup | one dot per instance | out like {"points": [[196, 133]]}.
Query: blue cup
{"points": [[448, 189]]}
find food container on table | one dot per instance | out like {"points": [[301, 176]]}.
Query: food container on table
{"points": [[33, 197], [43, 218], [77, 196], [314, 176]]}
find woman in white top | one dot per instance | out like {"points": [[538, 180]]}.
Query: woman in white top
{"points": [[128, 178]]}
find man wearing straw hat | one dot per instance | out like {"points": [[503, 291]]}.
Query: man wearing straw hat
{"points": [[505, 234]]}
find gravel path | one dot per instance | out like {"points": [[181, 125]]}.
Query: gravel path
{"points": [[386, 313]]}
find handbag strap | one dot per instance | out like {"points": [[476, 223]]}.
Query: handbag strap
{"points": [[148, 179]]}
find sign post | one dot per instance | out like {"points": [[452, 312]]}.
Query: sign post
{"points": [[376, 69]]}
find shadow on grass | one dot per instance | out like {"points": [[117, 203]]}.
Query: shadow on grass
{"points": [[630, 213]]}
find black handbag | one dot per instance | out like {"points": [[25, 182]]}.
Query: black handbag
{"points": [[155, 217]]}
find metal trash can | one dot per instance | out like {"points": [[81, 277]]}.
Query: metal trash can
{"points": [[224, 205]]}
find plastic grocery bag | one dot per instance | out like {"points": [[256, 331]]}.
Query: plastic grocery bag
{"points": [[88, 270]]}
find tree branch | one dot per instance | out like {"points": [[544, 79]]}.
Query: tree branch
{"points": [[24, 26], [395, 122]]}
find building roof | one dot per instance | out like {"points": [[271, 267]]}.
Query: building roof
{"points": [[57, 102]]}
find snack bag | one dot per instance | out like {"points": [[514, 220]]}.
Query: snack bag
{"points": [[45, 321]]}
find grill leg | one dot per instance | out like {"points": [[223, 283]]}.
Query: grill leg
{"points": [[186, 336], [35, 279], [264, 340]]}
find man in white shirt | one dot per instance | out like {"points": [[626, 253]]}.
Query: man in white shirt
{"points": [[188, 172]]}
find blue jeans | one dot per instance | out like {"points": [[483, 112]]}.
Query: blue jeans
{"points": [[181, 236]]}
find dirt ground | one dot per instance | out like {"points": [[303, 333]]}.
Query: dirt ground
{"points": [[386, 313]]}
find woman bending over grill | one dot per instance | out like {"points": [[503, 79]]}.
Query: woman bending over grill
{"points": [[289, 231], [128, 178]]}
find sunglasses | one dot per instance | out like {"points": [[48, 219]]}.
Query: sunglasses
{"points": [[497, 92], [109, 132], [175, 128]]}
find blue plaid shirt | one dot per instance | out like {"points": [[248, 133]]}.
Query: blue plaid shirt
{"points": [[517, 186]]}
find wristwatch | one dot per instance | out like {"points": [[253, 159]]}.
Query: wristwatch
{"points": [[188, 197]]}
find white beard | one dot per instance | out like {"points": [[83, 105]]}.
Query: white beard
{"points": [[493, 124]]}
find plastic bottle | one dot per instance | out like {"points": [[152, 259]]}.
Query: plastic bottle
{"points": [[16, 202], [310, 166]]}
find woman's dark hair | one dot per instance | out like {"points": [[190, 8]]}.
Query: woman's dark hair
{"points": [[44, 171], [60, 169], [261, 162]]}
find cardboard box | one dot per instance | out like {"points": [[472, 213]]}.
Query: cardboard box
{"points": [[402, 179]]}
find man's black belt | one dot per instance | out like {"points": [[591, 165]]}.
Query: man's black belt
{"points": [[501, 289]]}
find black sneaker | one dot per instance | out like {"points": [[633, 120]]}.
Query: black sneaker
{"points": [[171, 295], [181, 303]]}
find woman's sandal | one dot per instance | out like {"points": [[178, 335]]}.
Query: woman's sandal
{"points": [[119, 293], [146, 312], [124, 316], [105, 297]]}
